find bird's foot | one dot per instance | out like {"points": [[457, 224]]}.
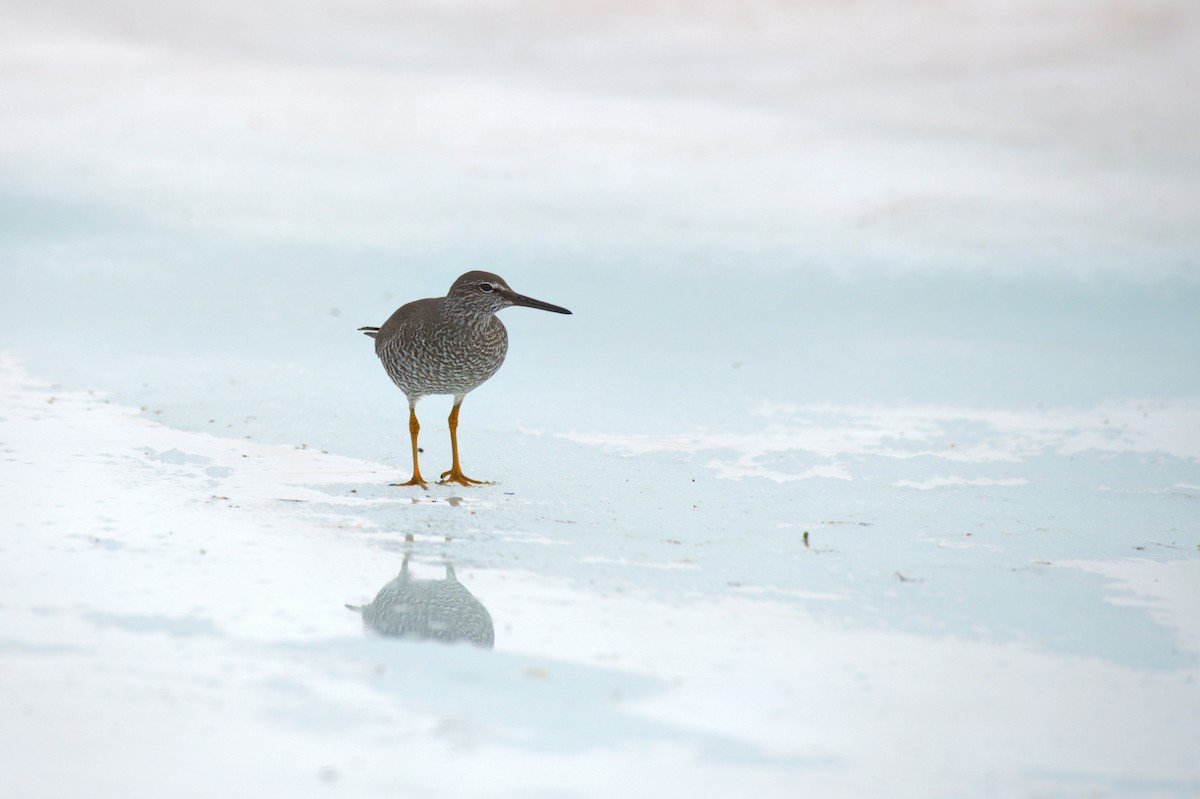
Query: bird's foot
{"points": [[455, 475], [415, 480]]}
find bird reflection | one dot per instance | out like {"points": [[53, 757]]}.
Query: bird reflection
{"points": [[441, 610]]}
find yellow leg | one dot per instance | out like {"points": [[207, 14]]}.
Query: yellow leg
{"points": [[414, 427], [455, 475]]}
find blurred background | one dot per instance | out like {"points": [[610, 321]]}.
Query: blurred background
{"points": [[945, 201]]}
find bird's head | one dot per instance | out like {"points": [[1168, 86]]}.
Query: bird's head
{"points": [[486, 293]]}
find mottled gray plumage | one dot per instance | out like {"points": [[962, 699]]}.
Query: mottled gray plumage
{"points": [[444, 345], [440, 610], [448, 345]]}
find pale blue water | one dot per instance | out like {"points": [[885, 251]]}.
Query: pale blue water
{"points": [[952, 341], [673, 344], [255, 340]]}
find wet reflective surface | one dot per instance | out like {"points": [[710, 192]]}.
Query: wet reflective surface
{"points": [[440, 610], [654, 616]]}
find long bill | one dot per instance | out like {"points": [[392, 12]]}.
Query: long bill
{"points": [[530, 302]]}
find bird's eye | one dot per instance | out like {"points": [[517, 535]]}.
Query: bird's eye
{"points": [[485, 287]]}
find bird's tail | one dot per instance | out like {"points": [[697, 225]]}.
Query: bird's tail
{"points": [[370, 331]]}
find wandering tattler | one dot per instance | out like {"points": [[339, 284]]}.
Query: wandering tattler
{"points": [[448, 345]]}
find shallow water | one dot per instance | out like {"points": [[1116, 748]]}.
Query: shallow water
{"points": [[866, 465]]}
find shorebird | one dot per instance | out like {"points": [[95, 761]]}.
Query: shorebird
{"points": [[448, 345]]}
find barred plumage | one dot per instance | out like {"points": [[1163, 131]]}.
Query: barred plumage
{"points": [[443, 354]]}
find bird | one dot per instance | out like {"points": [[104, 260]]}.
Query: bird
{"points": [[448, 345]]}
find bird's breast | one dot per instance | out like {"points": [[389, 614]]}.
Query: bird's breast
{"points": [[445, 356]]}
